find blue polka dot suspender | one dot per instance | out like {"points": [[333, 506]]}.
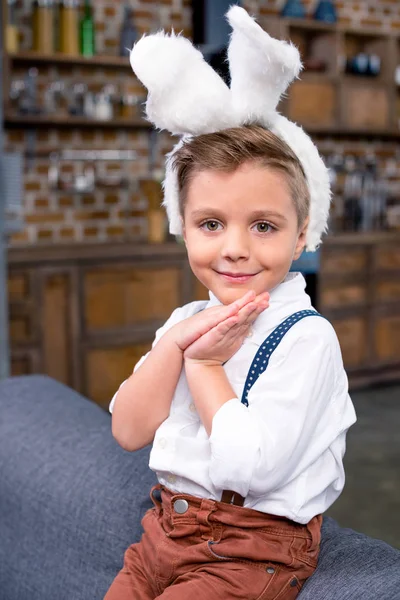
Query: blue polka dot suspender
{"points": [[261, 359]]}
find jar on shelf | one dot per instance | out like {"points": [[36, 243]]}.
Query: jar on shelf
{"points": [[43, 26], [69, 27], [128, 106]]}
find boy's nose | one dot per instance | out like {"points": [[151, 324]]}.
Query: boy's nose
{"points": [[235, 245]]}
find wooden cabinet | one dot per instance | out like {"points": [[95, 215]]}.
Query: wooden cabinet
{"points": [[86, 314], [359, 291], [328, 98]]}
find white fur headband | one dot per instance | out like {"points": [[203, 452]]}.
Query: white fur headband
{"points": [[188, 98]]}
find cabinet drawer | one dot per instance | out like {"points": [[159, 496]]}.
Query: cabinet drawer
{"points": [[115, 298], [344, 261], [335, 296], [387, 338], [312, 103], [107, 368], [388, 257], [352, 334]]}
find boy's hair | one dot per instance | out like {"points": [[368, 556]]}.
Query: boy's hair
{"points": [[228, 149]]}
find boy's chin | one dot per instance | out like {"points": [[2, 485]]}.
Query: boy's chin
{"points": [[229, 295]]}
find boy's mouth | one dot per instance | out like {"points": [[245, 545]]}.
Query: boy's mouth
{"points": [[236, 277]]}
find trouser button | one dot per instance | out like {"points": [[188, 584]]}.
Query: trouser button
{"points": [[181, 506]]}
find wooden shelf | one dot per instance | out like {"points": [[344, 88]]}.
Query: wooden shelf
{"points": [[310, 25], [107, 62], [33, 121], [13, 121], [316, 26]]}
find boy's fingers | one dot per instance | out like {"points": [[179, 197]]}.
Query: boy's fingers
{"points": [[248, 297]]}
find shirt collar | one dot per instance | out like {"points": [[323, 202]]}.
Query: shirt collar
{"points": [[285, 299]]}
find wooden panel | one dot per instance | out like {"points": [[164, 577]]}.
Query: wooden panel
{"points": [[352, 334], [387, 337], [25, 362], [312, 103], [119, 297], [107, 368], [21, 366], [337, 295], [18, 286], [343, 261], [200, 291], [387, 291], [366, 107], [55, 320], [20, 328], [387, 257]]}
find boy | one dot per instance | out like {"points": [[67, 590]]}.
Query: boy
{"points": [[245, 396]]}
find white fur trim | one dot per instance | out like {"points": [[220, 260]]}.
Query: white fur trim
{"points": [[188, 98]]}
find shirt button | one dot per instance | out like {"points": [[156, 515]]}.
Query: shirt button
{"points": [[192, 408], [171, 478], [250, 332], [162, 442]]}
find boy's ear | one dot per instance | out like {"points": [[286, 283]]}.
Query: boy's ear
{"points": [[301, 239], [183, 228]]}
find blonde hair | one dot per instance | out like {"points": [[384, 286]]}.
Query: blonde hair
{"points": [[228, 149]]}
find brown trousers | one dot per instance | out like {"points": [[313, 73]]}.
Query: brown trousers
{"points": [[201, 549]]}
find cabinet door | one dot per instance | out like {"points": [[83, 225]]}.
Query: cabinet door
{"points": [[387, 338], [387, 257], [22, 308], [340, 295], [107, 368], [117, 297], [337, 261], [365, 106], [352, 334]]}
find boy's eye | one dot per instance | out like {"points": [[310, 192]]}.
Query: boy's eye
{"points": [[210, 225], [263, 227]]}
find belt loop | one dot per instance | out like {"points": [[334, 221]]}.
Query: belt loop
{"points": [[156, 498]]}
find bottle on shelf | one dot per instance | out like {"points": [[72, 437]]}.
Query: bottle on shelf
{"points": [[69, 27], [11, 33], [87, 31], [128, 35], [326, 12], [294, 9], [43, 26]]}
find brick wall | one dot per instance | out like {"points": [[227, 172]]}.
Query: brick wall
{"points": [[116, 214]]}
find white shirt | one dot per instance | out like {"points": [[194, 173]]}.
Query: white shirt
{"points": [[284, 451]]}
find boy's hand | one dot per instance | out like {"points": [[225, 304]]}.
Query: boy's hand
{"points": [[189, 330], [220, 343]]}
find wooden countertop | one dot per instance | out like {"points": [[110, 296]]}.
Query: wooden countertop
{"points": [[82, 252], [86, 252]]}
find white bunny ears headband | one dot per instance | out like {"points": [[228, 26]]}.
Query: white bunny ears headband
{"points": [[188, 98]]}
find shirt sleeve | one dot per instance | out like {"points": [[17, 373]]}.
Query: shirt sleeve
{"points": [[175, 317], [292, 417]]}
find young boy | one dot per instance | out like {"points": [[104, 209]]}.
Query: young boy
{"points": [[244, 396]]}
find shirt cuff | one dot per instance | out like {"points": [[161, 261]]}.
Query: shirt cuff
{"points": [[235, 447], [111, 406]]}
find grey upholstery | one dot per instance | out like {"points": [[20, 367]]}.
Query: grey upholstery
{"points": [[71, 502]]}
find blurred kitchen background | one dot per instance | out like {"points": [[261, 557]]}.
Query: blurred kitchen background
{"points": [[88, 270]]}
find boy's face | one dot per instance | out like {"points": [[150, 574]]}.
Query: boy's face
{"points": [[241, 230]]}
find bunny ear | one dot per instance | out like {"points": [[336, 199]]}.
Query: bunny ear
{"points": [[261, 68], [186, 95]]}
